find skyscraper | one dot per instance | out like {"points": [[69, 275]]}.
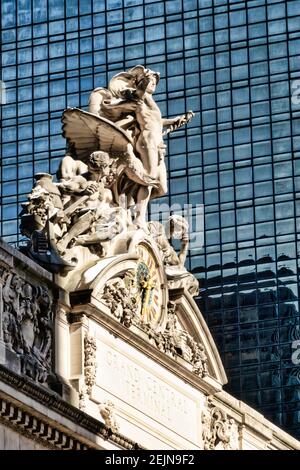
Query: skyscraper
{"points": [[236, 65]]}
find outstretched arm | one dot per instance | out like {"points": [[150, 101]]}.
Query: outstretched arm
{"points": [[183, 250], [179, 227], [174, 123]]}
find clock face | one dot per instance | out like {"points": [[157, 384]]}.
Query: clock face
{"points": [[149, 290]]}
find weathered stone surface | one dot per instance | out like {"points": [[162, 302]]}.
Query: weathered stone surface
{"points": [[26, 324]]}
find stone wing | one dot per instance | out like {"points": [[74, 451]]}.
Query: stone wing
{"points": [[86, 132]]}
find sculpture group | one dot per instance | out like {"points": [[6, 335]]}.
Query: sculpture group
{"points": [[113, 167], [96, 212]]}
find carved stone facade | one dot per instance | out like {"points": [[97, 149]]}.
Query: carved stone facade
{"points": [[144, 385], [119, 299], [27, 322], [107, 412], [90, 367], [219, 431], [171, 338]]}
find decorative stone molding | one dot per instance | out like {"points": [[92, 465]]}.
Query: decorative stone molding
{"points": [[177, 341], [107, 412], [172, 340], [62, 315], [219, 431], [37, 429], [26, 312], [90, 367], [53, 402]]}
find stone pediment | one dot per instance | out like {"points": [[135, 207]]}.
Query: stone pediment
{"points": [[132, 289], [192, 321]]}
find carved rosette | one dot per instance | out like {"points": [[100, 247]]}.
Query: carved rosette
{"points": [[27, 324], [219, 431]]}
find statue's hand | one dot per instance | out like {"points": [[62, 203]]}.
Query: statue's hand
{"points": [[179, 228], [92, 188], [177, 122], [185, 118]]}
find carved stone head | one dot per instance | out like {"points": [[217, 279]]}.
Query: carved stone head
{"points": [[145, 79], [99, 162], [140, 72]]}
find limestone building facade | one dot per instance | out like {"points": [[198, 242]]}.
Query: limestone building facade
{"points": [[106, 383]]}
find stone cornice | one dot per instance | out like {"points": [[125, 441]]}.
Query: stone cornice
{"points": [[251, 420], [38, 430], [16, 416], [14, 258]]}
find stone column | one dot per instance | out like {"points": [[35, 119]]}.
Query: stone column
{"points": [[2, 346], [78, 331]]}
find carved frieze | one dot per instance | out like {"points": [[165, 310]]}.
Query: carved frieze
{"points": [[27, 324], [119, 295], [176, 341]]}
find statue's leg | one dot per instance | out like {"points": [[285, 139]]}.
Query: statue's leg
{"points": [[143, 197], [162, 187], [147, 146], [135, 170], [81, 225]]}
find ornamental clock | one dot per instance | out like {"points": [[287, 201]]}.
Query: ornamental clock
{"points": [[149, 284]]}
